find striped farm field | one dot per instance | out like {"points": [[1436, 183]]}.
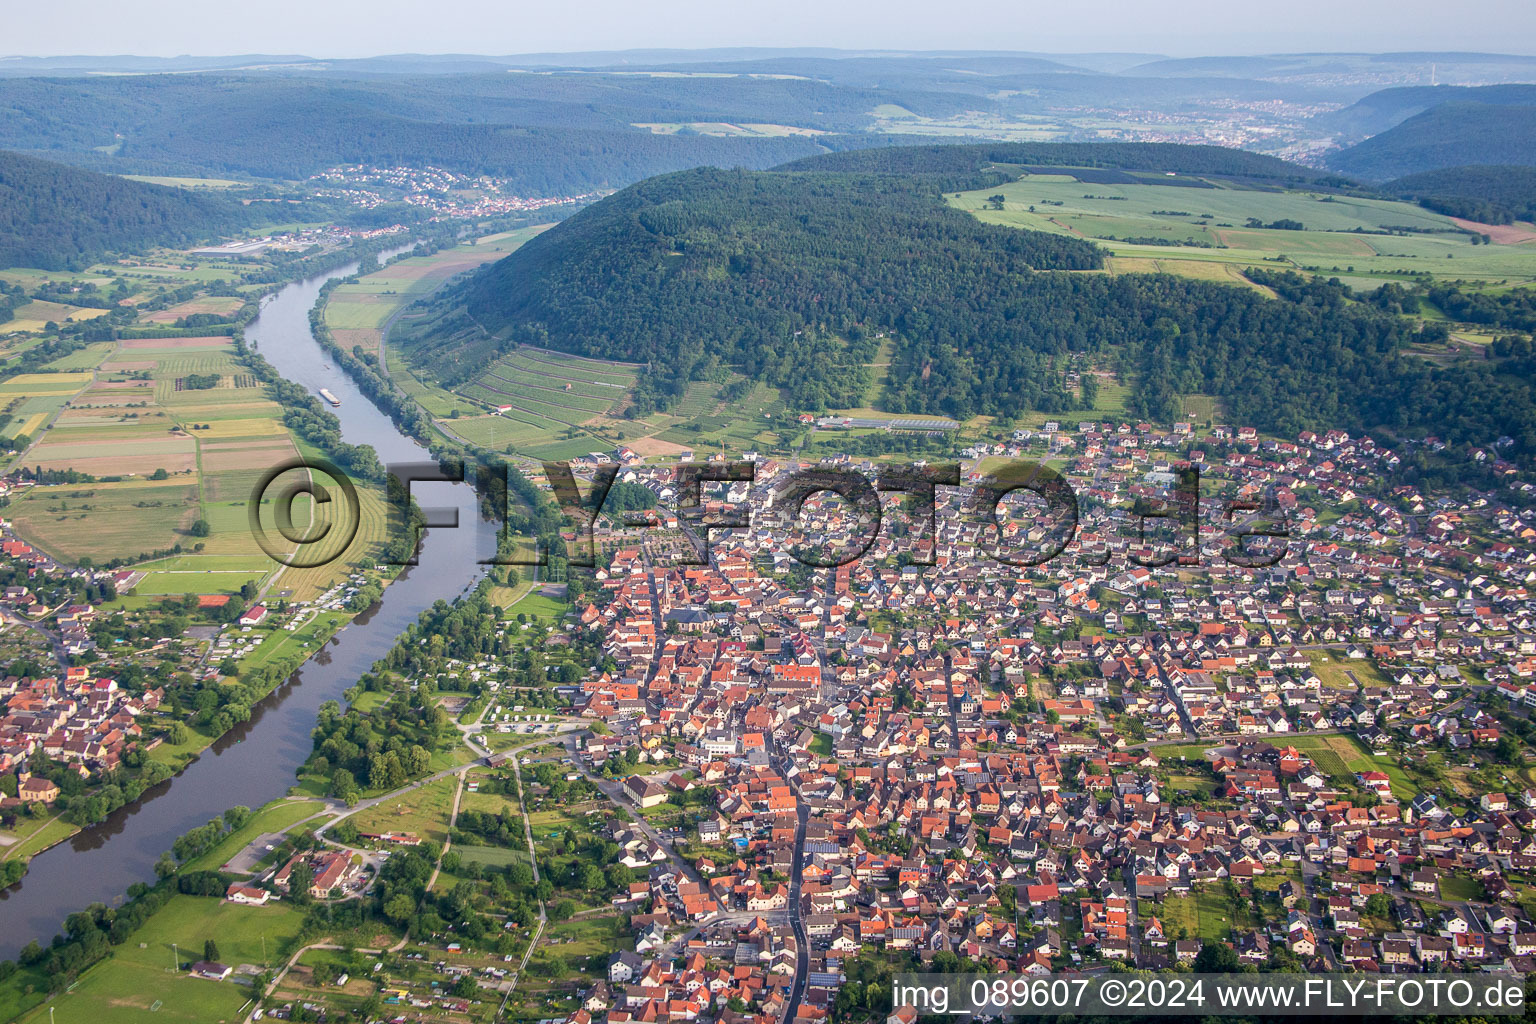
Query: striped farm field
{"points": [[527, 410], [72, 431], [44, 383], [155, 446], [87, 358], [555, 398], [253, 427], [30, 425], [542, 397], [172, 344], [373, 532], [600, 392], [568, 367]]}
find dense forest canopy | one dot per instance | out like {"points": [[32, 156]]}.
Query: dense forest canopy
{"points": [[1448, 135], [1488, 194], [793, 276], [53, 216], [1385, 108], [787, 275], [1153, 157]]}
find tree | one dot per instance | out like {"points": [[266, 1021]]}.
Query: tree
{"points": [[299, 880], [1217, 957], [344, 786], [399, 908], [211, 951]]}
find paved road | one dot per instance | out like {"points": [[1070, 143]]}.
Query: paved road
{"points": [[796, 907], [612, 791]]}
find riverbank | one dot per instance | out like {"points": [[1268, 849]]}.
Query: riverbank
{"points": [[268, 656], [256, 759]]}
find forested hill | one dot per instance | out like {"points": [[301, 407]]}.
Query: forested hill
{"points": [[53, 216], [792, 276], [788, 275], [1387, 107], [1490, 194], [1145, 157], [1449, 135]]}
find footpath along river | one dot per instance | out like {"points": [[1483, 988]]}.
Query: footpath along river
{"points": [[256, 761]]}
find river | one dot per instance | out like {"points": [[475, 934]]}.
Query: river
{"points": [[256, 761]]}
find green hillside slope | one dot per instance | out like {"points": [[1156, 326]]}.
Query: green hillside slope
{"points": [[1450, 135], [54, 216]]}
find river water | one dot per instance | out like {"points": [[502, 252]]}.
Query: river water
{"points": [[256, 761]]}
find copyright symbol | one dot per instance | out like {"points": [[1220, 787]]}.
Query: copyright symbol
{"points": [[303, 535], [1112, 992]]}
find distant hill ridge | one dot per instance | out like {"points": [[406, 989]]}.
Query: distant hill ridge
{"points": [[1157, 157], [54, 216], [1448, 135], [1387, 108]]}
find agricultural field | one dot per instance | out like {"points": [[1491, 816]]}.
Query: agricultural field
{"points": [[37, 314], [1201, 228], [217, 305], [136, 983], [357, 311], [165, 454], [547, 405]]}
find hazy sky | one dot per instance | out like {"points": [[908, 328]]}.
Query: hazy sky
{"points": [[355, 28]]}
